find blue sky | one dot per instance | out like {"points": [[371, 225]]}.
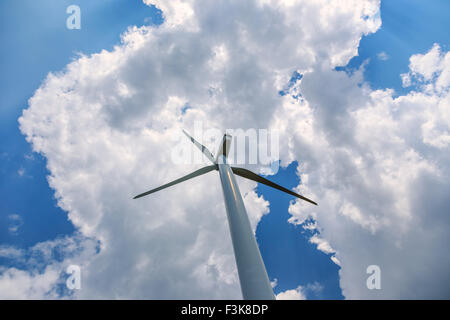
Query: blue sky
{"points": [[409, 27], [38, 42], [35, 42], [288, 255]]}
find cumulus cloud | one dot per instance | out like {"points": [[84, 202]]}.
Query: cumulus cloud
{"points": [[430, 73], [20, 284], [106, 123], [39, 272], [301, 292], [294, 294], [256, 207], [10, 252], [322, 244], [378, 166], [425, 66]]}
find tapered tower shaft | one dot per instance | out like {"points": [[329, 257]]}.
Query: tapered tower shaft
{"points": [[253, 277], [255, 284]]}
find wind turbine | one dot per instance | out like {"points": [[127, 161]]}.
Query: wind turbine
{"points": [[255, 284]]}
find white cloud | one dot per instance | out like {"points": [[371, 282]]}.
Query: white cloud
{"points": [[377, 164], [45, 263], [15, 222], [10, 252], [322, 244], [294, 294], [301, 292], [19, 284], [335, 260], [430, 71], [256, 207], [274, 283], [426, 65], [378, 167], [383, 56]]}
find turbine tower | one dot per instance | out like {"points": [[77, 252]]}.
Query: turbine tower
{"points": [[255, 284]]}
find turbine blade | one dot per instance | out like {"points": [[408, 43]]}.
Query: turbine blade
{"points": [[224, 147], [202, 148], [253, 176], [187, 177]]}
